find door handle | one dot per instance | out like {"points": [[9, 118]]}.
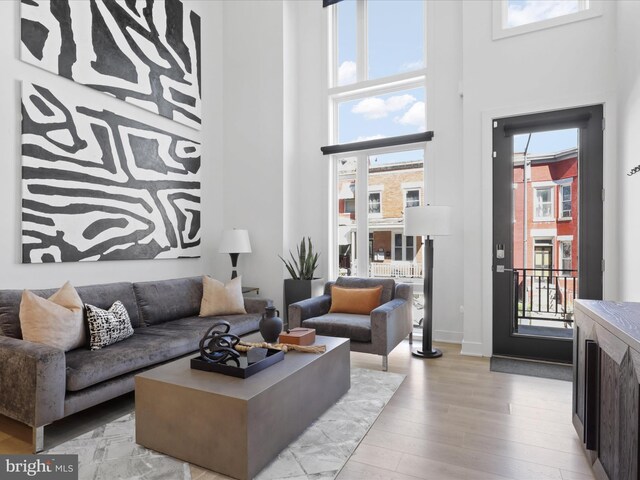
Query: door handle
{"points": [[502, 269]]}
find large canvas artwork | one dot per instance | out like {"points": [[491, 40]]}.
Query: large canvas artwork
{"points": [[145, 52], [99, 186]]}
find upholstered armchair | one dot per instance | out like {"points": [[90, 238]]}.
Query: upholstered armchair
{"points": [[378, 333]]}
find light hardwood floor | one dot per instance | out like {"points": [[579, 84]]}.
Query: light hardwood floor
{"points": [[450, 419]]}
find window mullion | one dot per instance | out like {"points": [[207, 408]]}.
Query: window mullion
{"points": [[362, 216], [361, 35]]}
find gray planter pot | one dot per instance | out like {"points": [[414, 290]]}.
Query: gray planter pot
{"points": [[296, 290]]}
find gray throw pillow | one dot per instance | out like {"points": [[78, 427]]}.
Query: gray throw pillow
{"points": [[107, 327]]}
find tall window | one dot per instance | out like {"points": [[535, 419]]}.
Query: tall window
{"points": [[375, 203], [565, 201], [377, 90], [543, 204]]}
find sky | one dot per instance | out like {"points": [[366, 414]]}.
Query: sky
{"points": [[547, 142], [395, 45], [522, 12]]}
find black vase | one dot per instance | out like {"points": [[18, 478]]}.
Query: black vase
{"points": [[270, 325]]}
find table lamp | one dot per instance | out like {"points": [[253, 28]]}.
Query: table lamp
{"points": [[234, 242], [427, 221]]}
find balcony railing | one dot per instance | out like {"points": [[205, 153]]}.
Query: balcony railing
{"points": [[544, 294], [396, 270]]}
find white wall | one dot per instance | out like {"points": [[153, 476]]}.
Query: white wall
{"points": [[15, 275], [254, 137], [565, 66], [628, 72]]}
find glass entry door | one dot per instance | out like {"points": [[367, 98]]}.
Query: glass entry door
{"points": [[547, 229]]}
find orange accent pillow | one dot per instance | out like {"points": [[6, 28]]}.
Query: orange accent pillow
{"points": [[355, 300]]}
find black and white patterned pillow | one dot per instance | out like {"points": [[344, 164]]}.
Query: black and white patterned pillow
{"points": [[107, 327]]}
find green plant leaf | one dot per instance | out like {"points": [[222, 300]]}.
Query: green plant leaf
{"points": [[306, 263]]}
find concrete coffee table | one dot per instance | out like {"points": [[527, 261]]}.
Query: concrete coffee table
{"points": [[237, 426]]}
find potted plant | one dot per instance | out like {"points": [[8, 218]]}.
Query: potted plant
{"points": [[302, 284]]}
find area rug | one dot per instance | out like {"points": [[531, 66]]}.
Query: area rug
{"points": [[110, 452]]}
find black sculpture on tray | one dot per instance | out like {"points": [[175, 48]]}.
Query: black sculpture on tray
{"points": [[218, 345]]}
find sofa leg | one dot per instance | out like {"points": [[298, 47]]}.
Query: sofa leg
{"points": [[385, 363], [37, 439], [411, 338]]}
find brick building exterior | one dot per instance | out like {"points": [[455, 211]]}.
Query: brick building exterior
{"points": [[551, 212], [391, 188]]}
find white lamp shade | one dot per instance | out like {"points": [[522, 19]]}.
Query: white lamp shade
{"points": [[235, 241], [428, 220]]}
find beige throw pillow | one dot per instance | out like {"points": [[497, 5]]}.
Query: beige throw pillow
{"points": [[221, 299], [57, 321]]}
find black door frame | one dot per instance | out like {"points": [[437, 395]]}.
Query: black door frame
{"points": [[590, 228]]}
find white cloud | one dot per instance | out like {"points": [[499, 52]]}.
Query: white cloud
{"points": [[408, 66], [347, 72], [532, 11], [375, 107], [414, 116]]}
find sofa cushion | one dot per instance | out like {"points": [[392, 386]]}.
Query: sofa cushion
{"points": [[102, 296], [10, 310], [166, 300], [147, 347], [388, 285], [198, 326], [105, 295], [89, 367], [346, 325]]}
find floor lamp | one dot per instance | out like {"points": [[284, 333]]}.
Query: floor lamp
{"points": [[234, 242], [428, 221]]}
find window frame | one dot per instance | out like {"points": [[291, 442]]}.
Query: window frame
{"points": [[406, 195], [362, 88], [562, 258], [551, 217], [362, 191], [500, 8], [362, 54], [378, 192], [561, 201]]}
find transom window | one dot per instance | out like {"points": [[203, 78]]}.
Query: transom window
{"points": [[377, 39], [543, 203], [523, 12], [512, 17]]}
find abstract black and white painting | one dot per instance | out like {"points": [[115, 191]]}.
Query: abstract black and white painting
{"points": [[145, 52], [100, 186]]}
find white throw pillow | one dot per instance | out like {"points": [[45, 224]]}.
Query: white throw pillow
{"points": [[56, 321], [221, 299]]}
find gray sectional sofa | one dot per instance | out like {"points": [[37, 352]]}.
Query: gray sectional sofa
{"points": [[40, 384]]}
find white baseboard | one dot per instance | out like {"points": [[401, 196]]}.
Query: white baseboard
{"points": [[473, 349], [447, 336]]}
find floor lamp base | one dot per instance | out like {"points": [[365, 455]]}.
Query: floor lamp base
{"points": [[418, 352]]}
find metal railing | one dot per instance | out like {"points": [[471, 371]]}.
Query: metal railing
{"points": [[544, 294], [396, 269]]}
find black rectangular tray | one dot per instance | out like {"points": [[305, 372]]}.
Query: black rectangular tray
{"points": [[245, 370]]}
